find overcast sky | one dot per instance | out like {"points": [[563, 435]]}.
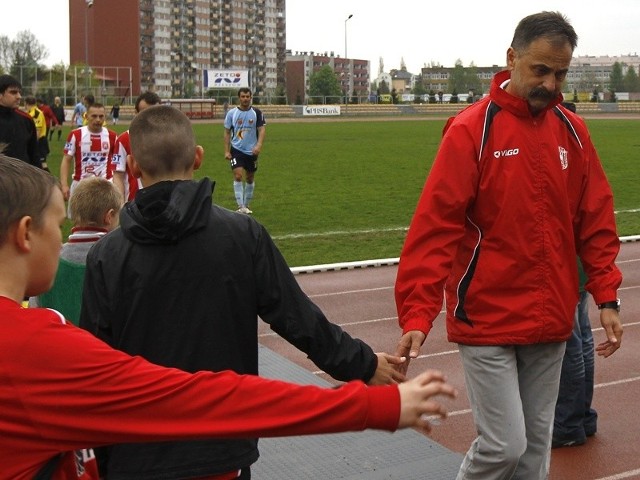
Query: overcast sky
{"points": [[414, 30]]}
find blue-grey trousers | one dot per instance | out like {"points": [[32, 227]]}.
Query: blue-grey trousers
{"points": [[512, 390]]}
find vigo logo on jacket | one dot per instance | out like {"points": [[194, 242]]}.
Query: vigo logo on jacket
{"points": [[510, 152]]}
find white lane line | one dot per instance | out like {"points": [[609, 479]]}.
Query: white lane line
{"points": [[621, 475], [617, 382], [347, 292]]}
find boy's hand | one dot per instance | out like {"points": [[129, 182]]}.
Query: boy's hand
{"points": [[416, 402], [388, 370]]}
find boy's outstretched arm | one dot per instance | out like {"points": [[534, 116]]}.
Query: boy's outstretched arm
{"points": [[417, 402]]}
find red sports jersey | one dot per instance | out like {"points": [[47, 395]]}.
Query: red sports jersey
{"points": [[62, 389], [91, 152], [119, 164]]}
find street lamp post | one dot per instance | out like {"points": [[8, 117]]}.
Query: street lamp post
{"points": [[346, 59], [86, 41]]}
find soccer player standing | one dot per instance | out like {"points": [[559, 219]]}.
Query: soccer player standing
{"points": [[244, 132]]}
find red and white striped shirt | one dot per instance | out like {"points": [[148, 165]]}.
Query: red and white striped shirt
{"points": [[119, 164], [91, 152]]}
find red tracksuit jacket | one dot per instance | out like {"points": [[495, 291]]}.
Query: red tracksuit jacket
{"points": [[509, 201]]}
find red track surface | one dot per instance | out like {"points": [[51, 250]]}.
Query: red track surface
{"points": [[361, 300]]}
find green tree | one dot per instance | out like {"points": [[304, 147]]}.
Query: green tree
{"points": [[5, 53], [419, 90], [280, 94], [458, 78], [323, 83], [472, 80], [384, 87], [616, 81], [22, 56], [631, 80], [394, 96]]}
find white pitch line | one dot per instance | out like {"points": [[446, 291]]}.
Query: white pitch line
{"points": [[334, 233]]}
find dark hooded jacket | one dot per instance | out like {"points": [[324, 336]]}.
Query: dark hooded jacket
{"points": [[18, 131], [182, 283]]}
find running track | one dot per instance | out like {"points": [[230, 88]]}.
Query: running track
{"points": [[361, 301]]}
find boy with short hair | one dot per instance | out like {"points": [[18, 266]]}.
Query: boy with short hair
{"points": [[61, 389], [94, 210], [179, 255], [125, 182]]}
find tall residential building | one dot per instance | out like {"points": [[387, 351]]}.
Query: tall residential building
{"points": [[353, 75], [169, 43]]}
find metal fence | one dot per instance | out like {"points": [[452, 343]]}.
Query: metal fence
{"points": [[71, 83]]}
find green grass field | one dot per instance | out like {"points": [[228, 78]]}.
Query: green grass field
{"points": [[346, 191]]}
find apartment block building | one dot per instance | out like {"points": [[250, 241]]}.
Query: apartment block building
{"points": [[169, 43], [353, 74], [586, 73]]}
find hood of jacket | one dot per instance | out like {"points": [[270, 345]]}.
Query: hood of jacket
{"points": [[167, 211]]}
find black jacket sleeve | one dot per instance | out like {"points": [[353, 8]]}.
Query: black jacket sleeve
{"points": [[292, 315], [95, 306]]}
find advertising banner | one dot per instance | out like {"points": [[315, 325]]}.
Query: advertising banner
{"points": [[321, 110], [225, 79]]}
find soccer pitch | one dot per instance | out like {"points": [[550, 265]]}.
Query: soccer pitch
{"points": [[346, 190], [343, 191]]}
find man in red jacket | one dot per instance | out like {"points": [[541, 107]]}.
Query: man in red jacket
{"points": [[62, 390], [516, 190]]}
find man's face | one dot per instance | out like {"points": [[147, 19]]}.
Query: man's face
{"points": [[538, 73], [46, 244], [11, 97], [245, 99], [95, 119]]}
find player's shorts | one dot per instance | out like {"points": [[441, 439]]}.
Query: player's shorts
{"points": [[240, 159]]}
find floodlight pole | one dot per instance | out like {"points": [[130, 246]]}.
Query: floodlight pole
{"points": [[86, 36], [346, 59]]}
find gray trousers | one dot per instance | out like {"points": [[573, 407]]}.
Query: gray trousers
{"points": [[513, 391]]}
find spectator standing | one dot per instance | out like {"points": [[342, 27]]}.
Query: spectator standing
{"points": [[62, 390], [17, 129], [172, 242], [58, 110], [41, 129], [127, 183], [516, 190], [244, 133], [79, 112], [575, 419], [89, 150], [49, 116], [115, 113]]}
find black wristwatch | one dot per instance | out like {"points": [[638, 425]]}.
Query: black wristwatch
{"points": [[615, 304]]}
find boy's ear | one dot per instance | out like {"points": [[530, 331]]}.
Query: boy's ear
{"points": [[22, 234], [110, 219], [133, 166], [197, 161]]}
